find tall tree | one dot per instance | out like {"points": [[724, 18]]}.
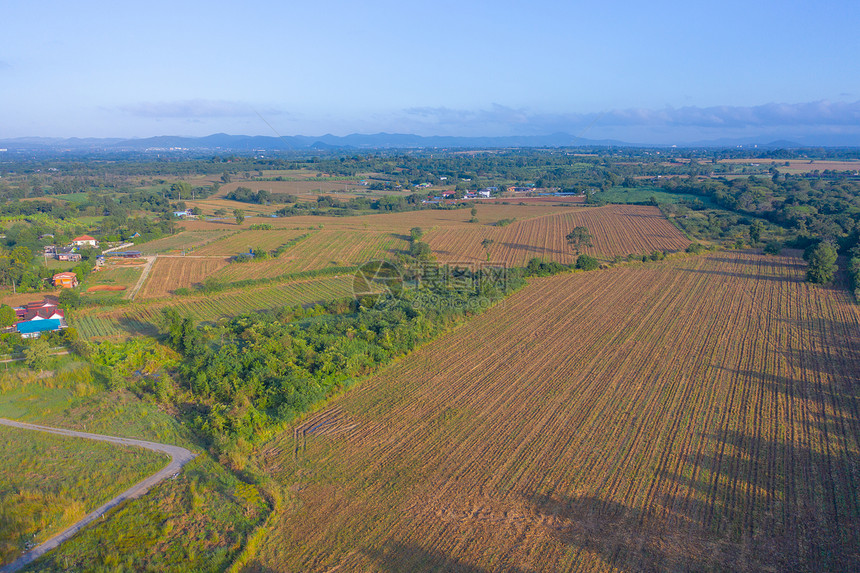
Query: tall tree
{"points": [[822, 263], [578, 238], [240, 216]]}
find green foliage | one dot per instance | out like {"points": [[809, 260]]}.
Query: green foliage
{"points": [[7, 316], [416, 234], [773, 248], [578, 238], [70, 298], [822, 263], [37, 354], [420, 250], [756, 228], [854, 276], [505, 222], [239, 214], [586, 263], [539, 268], [695, 248]]}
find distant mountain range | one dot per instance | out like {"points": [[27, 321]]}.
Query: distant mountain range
{"points": [[221, 142]]}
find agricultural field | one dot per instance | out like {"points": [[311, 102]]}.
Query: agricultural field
{"points": [[186, 241], [98, 324], [323, 249], [234, 244], [48, 482], [111, 281], [798, 166], [300, 187], [615, 230], [699, 413], [171, 273]]}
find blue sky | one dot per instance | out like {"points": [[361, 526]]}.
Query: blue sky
{"points": [[654, 71]]}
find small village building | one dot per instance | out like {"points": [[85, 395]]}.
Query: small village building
{"points": [[124, 254], [65, 280], [68, 256], [85, 241], [34, 318]]}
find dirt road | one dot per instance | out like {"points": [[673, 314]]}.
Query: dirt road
{"points": [[178, 458], [143, 274]]}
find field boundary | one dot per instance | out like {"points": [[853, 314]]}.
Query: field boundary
{"points": [[178, 458]]}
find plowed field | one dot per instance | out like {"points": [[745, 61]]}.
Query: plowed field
{"points": [[615, 230], [694, 414], [171, 273]]}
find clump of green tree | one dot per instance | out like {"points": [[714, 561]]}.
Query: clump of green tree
{"points": [[821, 259], [578, 238]]}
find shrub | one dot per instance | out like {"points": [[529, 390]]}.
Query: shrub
{"points": [[587, 263]]}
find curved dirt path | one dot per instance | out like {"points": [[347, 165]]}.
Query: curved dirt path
{"points": [[178, 458]]}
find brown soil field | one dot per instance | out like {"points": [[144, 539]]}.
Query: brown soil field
{"points": [[293, 187], [106, 287], [170, 273], [11, 299], [390, 222], [798, 165], [615, 230], [539, 231], [699, 413]]}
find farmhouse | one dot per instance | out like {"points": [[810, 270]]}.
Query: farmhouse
{"points": [[37, 317], [65, 280], [85, 241]]}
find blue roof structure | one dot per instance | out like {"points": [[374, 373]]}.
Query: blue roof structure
{"points": [[33, 326]]}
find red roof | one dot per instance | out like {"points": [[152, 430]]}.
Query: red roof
{"points": [[84, 238], [42, 313]]}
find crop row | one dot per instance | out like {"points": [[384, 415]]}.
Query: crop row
{"points": [[614, 229], [699, 413]]}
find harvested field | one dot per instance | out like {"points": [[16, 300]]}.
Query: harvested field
{"points": [[391, 222], [294, 187], [694, 414], [185, 241], [171, 273], [323, 249], [615, 230], [242, 241]]}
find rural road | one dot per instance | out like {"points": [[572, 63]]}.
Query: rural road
{"points": [[143, 274], [178, 458]]}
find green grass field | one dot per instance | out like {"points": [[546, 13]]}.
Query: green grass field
{"points": [[198, 521], [48, 482], [641, 195]]}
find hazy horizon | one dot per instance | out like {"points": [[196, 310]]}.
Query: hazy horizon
{"points": [[659, 73]]}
